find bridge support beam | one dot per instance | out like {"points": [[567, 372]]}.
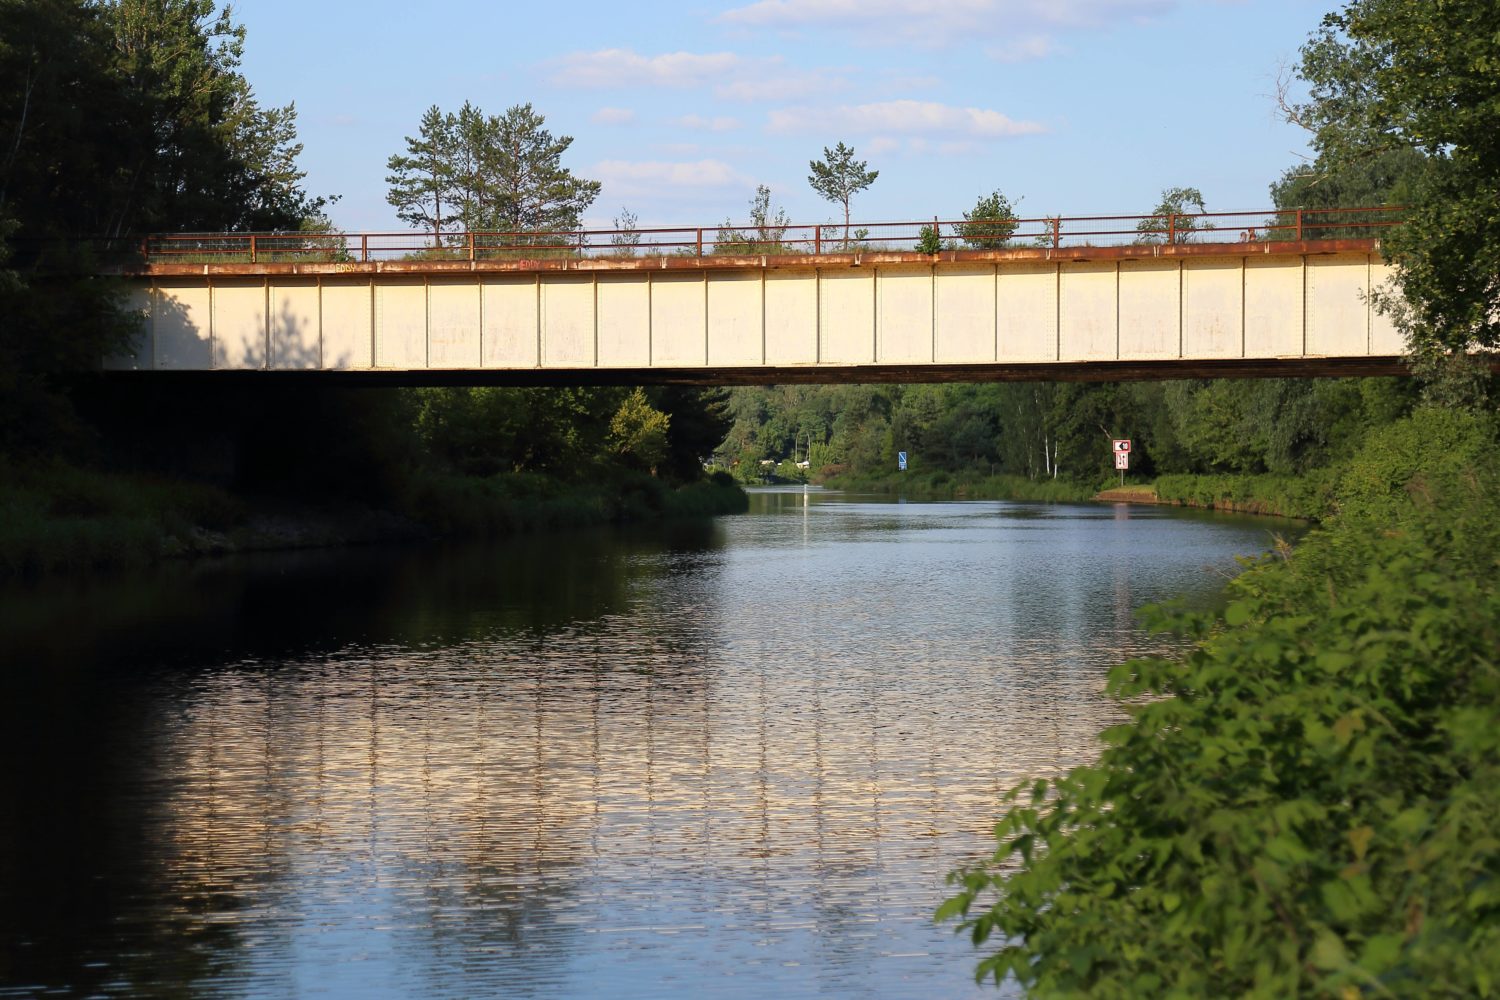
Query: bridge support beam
{"points": [[745, 320]]}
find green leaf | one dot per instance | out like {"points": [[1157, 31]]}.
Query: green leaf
{"points": [[1359, 840], [955, 906], [1328, 952]]}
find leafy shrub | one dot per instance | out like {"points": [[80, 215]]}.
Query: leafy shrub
{"points": [[1432, 452], [1306, 803], [1309, 496]]}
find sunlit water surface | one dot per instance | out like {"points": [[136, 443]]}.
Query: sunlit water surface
{"points": [[726, 759]]}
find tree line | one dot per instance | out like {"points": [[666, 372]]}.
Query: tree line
{"points": [[1059, 431], [119, 117]]}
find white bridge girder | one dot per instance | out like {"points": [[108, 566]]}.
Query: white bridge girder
{"points": [[840, 317]]}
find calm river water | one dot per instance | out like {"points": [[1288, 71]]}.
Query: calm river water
{"points": [[705, 759]]}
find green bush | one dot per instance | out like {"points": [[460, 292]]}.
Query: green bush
{"points": [[1309, 496], [1430, 453], [1307, 802], [60, 517]]}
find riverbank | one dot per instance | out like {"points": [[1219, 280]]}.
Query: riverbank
{"points": [[940, 485], [1305, 498], [1303, 798], [57, 518]]}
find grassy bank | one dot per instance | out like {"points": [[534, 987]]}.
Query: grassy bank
{"points": [[1310, 496], [515, 503], [56, 517], [939, 485], [1430, 451], [1303, 803]]}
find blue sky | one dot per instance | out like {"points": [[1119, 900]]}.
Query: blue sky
{"points": [[1072, 106]]}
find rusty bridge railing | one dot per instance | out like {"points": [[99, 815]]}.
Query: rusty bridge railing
{"points": [[924, 236]]}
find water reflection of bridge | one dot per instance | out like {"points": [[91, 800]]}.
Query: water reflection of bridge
{"points": [[556, 792], [677, 755]]}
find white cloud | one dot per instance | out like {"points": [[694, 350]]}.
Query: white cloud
{"points": [[906, 83], [614, 68], [922, 22], [775, 84], [902, 118], [719, 123], [1022, 49], [613, 116], [728, 75], [636, 178]]}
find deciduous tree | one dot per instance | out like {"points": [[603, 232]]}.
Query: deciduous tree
{"points": [[1172, 218], [1389, 75]]}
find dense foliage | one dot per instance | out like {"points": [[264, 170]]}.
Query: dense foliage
{"points": [[1062, 431], [119, 117], [116, 118], [1390, 77], [1307, 802], [482, 431], [989, 224]]}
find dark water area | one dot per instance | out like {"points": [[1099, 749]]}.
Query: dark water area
{"points": [[728, 758]]}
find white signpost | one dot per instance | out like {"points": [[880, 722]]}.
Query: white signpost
{"points": [[1122, 456]]}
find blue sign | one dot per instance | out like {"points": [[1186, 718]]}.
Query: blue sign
{"points": [[901, 460]]}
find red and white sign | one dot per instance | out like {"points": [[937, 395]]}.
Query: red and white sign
{"points": [[1122, 460], [1122, 446]]}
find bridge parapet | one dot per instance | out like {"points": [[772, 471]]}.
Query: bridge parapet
{"points": [[1051, 233], [1143, 311]]}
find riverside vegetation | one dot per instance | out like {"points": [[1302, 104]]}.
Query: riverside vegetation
{"points": [[1274, 446], [197, 472], [128, 116], [1306, 802]]}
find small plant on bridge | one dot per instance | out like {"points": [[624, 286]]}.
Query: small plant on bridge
{"points": [[1174, 219], [765, 234], [990, 224], [928, 240]]}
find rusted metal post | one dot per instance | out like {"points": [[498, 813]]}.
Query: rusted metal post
{"points": [[1056, 232], [470, 236], [1171, 227], [817, 239], [252, 249], [364, 247], [700, 242], [1299, 225]]}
